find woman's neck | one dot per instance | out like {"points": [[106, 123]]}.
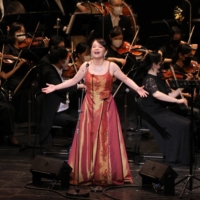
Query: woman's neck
{"points": [[113, 47], [152, 72], [98, 61], [180, 63], [16, 44]]}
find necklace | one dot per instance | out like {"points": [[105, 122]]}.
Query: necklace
{"points": [[98, 69]]}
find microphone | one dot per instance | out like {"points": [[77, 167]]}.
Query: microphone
{"points": [[87, 64]]}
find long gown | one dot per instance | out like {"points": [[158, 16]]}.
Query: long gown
{"points": [[98, 155], [175, 146]]}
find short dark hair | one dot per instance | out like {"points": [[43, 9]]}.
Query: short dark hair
{"points": [[184, 49], [55, 40], [151, 57], [101, 41], [115, 31], [58, 53], [16, 26]]}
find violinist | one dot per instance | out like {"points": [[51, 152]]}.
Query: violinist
{"points": [[78, 57], [115, 42], [168, 52], [185, 65]]}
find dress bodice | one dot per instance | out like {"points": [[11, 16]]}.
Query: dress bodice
{"points": [[99, 86]]}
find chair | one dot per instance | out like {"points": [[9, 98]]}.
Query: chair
{"points": [[143, 129], [54, 128]]}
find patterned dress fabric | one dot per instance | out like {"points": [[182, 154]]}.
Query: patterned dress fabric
{"points": [[98, 155]]}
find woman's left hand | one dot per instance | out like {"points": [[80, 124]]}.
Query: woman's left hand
{"points": [[142, 92]]}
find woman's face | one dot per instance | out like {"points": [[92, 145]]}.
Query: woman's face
{"points": [[19, 35], [97, 50], [157, 66], [117, 41], [21, 31], [82, 56]]}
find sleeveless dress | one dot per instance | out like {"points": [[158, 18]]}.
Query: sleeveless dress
{"points": [[98, 155]]}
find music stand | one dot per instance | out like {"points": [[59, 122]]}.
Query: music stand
{"points": [[26, 84], [82, 23], [190, 85]]}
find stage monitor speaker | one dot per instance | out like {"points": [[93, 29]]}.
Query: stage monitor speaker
{"points": [[50, 168], [159, 173]]}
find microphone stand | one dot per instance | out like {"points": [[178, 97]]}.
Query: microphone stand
{"points": [[76, 191]]}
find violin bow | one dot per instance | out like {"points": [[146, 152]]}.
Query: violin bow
{"points": [[173, 72], [73, 63], [190, 35], [133, 41], [33, 36], [16, 62], [1, 61]]}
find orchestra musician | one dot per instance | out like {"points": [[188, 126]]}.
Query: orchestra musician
{"points": [[52, 110], [168, 51], [115, 43], [7, 116], [173, 140], [115, 18]]}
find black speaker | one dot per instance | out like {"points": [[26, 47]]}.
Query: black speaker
{"points": [[159, 173], [50, 168]]}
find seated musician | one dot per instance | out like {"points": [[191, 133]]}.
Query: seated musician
{"points": [[168, 51], [55, 109], [115, 18], [173, 140], [7, 112], [185, 65], [115, 42]]}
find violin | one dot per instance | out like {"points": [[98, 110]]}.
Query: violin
{"points": [[136, 50], [70, 71], [8, 59], [168, 74], [29, 42], [193, 68]]}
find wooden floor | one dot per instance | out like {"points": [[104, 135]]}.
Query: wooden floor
{"points": [[16, 178]]}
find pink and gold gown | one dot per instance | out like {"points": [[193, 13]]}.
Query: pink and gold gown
{"points": [[98, 147]]}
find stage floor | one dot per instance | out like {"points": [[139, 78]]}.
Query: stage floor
{"points": [[15, 173]]}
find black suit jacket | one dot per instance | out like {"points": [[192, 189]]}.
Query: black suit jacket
{"points": [[47, 104], [124, 23]]}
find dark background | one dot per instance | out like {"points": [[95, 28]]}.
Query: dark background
{"points": [[154, 17]]}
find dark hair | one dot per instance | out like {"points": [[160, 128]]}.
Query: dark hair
{"points": [[184, 49], [115, 31], [174, 30], [13, 28], [101, 41], [81, 48], [152, 57], [55, 40], [58, 53]]}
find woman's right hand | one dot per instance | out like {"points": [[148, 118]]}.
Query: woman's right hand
{"points": [[50, 88], [182, 101]]}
